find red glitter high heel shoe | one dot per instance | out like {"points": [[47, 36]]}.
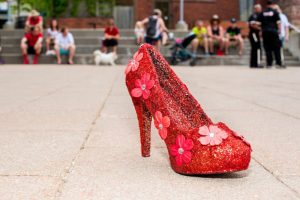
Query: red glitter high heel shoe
{"points": [[195, 144]]}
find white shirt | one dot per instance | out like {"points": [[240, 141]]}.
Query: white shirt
{"points": [[51, 33], [139, 31], [284, 23], [64, 41]]}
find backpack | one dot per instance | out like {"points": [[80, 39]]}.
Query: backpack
{"points": [[151, 29]]}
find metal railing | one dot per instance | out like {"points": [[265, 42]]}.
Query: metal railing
{"points": [[295, 28]]}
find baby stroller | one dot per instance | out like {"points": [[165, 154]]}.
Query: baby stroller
{"points": [[179, 51]]}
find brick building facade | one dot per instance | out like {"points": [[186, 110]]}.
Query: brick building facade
{"points": [[292, 9], [126, 12], [193, 9], [204, 9]]}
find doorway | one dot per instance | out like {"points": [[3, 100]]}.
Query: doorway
{"points": [[164, 6]]}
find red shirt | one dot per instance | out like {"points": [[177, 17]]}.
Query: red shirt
{"points": [[32, 39], [111, 31], [34, 20]]}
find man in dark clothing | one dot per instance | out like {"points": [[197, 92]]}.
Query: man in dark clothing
{"points": [[233, 36], [270, 24], [254, 37]]}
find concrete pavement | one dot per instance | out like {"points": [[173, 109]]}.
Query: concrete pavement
{"points": [[70, 133]]}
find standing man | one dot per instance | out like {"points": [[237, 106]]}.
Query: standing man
{"points": [[270, 24], [254, 37]]}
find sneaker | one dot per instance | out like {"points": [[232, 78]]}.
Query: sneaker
{"points": [[220, 53], [35, 59], [25, 59], [193, 62], [50, 53]]}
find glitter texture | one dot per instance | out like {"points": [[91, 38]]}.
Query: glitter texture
{"points": [[172, 98]]}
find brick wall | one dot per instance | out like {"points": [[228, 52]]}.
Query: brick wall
{"points": [[193, 10], [142, 9], [292, 9], [89, 22]]}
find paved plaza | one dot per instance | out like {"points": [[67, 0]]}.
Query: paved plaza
{"points": [[71, 133]]}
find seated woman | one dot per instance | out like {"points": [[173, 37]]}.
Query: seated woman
{"points": [[216, 35], [65, 45], [33, 20], [31, 43], [201, 39], [52, 33], [111, 37], [233, 36]]}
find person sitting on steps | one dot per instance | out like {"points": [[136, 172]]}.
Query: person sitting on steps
{"points": [[34, 19], [31, 43], [201, 39], [111, 37], [139, 31], [216, 35], [65, 45], [233, 35], [52, 33]]}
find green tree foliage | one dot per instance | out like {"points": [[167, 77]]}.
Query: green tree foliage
{"points": [[57, 8], [48, 8]]}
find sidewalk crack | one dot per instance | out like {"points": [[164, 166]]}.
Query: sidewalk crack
{"points": [[83, 145], [277, 177]]}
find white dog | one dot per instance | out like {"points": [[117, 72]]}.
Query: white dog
{"points": [[104, 58]]}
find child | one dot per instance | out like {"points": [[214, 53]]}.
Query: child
{"points": [[52, 33], [139, 32]]}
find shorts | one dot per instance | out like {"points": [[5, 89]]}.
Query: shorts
{"points": [[153, 41], [64, 52], [31, 50], [110, 42]]}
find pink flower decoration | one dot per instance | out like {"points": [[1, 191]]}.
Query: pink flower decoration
{"points": [[143, 87], [161, 123], [212, 135], [181, 150], [134, 63]]}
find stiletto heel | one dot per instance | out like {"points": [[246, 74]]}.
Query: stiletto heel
{"points": [[144, 118], [196, 145]]}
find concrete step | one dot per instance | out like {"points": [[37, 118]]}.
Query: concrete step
{"points": [[122, 49], [15, 41], [123, 59], [9, 41], [230, 60], [86, 33]]}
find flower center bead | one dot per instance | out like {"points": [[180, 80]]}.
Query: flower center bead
{"points": [[160, 126], [143, 87], [211, 135], [133, 62], [180, 150]]}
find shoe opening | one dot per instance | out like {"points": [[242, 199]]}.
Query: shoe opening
{"points": [[177, 90]]}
